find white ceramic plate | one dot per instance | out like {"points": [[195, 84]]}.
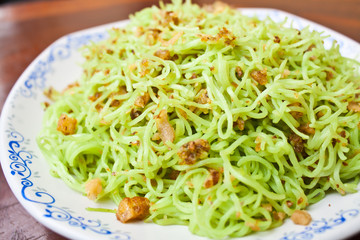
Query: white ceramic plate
{"points": [[61, 209]]}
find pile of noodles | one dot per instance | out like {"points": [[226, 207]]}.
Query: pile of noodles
{"points": [[278, 110]]}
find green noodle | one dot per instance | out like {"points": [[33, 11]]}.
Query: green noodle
{"points": [[258, 165]]}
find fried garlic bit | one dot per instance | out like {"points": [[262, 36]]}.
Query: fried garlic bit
{"points": [[260, 76], [53, 94], [301, 217], [305, 128], [169, 16], [93, 188], [227, 36], [213, 178], [202, 98], [163, 54], [115, 102], [164, 128], [142, 100], [194, 150], [279, 216], [135, 208], [240, 124], [354, 106], [297, 142], [66, 124]]}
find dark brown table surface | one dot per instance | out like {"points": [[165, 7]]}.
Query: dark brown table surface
{"points": [[27, 28]]}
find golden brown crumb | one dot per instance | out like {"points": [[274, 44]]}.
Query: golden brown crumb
{"points": [[223, 33], [267, 206], [342, 133], [152, 35], [164, 128], [193, 76], [66, 125], [173, 174], [156, 137], [258, 144], [144, 67], [235, 85], [93, 188], [141, 101], [203, 97], [253, 226], [139, 31], [134, 113], [163, 54], [95, 96], [285, 73], [289, 203], [238, 72], [297, 142], [227, 36], [329, 75], [106, 72], [260, 76], [240, 124], [354, 106], [49, 93], [46, 105], [301, 217], [135, 143], [276, 39], [319, 114], [213, 178], [115, 103], [310, 48], [306, 129], [168, 17], [135, 208], [192, 151], [279, 216], [99, 107]]}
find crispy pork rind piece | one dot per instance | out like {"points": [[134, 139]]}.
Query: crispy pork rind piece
{"points": [[166, 131], [260, 76], [131, 209], [301, 217], [194, 150], [93, 188], [66, 124]]}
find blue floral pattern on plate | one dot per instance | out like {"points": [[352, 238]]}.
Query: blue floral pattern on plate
{"points": [[59, 51], [20, 165], [322, 225]]}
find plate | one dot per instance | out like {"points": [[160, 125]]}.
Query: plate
{"points": [[61, 209]]}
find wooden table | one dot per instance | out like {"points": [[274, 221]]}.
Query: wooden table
{"points": [[28, 28]]}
